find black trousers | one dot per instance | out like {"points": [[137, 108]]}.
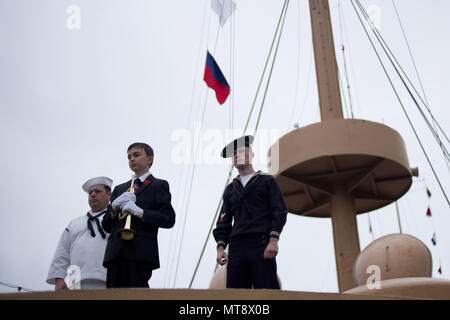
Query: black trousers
{"points": [[124, 273], [247, 267]]}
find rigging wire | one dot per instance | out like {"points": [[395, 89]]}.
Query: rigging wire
{"points": [[345, 61], [232, 72], [391, 57], [418, 75], [13, 286], [410, 53], [194, 167], [283, 13], [265, 66], [386, 49], [210, 230], [355, 83], [395, 91], [271, 69], [308, 83], [297, 78], [341, 89], [200, 54]]}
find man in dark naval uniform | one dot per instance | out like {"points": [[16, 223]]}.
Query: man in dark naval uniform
{"points": [[251, 219], [129, 263]]}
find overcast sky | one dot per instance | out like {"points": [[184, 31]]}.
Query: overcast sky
{"points": [[72, 100]]}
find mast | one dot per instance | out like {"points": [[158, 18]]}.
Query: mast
{"points": [[338, 168], [343, 213], [326, 66]]}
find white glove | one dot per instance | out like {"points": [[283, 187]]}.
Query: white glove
{"points": [[122, 199], [132, 208]]}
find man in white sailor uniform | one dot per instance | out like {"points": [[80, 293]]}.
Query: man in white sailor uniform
{"points": [[251, 219], [83, 242]]}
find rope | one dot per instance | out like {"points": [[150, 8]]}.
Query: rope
{"points": [[308, 83], [396, 94], [232, 65], [355, 83], [193, 173], [200, 54], [210, 229], [417, 73], [418, 76], [13, 286], [297, 78], [341, 89], [265, 66], [345, 61], [386, 49], [381, 41], [283, 11], [194, 166], [271, 68]]}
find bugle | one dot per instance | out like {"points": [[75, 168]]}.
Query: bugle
{"points": [[126, 233]]}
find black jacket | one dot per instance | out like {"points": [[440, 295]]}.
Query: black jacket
{"points": [[154, 198], [259, 208]]}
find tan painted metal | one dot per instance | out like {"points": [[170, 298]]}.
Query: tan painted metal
{"points": [[345, 235], [369, 159], [338, 168], [395, 256], [419, 288], [326, 66], [185, 294], [219, 279]]}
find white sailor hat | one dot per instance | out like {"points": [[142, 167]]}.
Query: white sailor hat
{"points": [[244, 141], [95, 181]]}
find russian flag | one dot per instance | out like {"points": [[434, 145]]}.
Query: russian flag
{"points": [[215, 80]]}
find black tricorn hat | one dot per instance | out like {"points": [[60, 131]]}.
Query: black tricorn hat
{"points": [[244, 141]]}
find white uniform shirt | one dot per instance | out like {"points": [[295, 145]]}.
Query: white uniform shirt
{"points": [[144, 176], [77, 247], [245, 179]]}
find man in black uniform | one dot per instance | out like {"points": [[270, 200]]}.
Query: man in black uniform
{"points": [[255, 202]]}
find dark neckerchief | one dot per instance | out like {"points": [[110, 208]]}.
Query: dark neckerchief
{"points": [[97, 222]]}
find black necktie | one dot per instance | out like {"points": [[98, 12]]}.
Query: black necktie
{"points": [[97, 222]]}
